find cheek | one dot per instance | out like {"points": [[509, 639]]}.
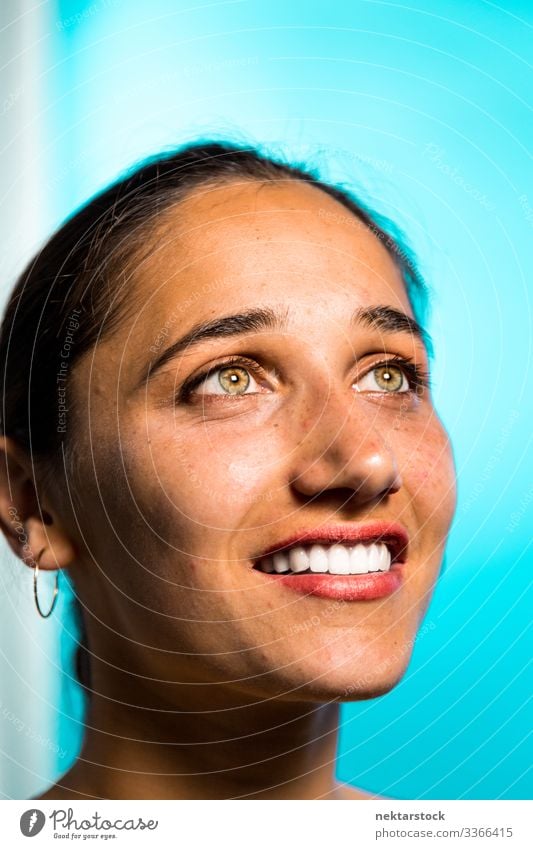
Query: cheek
{"points": [[426, 464], [202, 480]]}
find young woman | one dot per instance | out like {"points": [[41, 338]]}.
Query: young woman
{"points": [[217, 418]]}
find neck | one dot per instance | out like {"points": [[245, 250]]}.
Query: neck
{"points": [[205, 743]]}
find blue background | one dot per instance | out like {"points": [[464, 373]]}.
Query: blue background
{"points": [[424, 109]]}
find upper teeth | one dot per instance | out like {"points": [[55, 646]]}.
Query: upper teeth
{"points": [[337, 559]]}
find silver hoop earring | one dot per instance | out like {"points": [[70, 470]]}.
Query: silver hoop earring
{"points": [[36, 594]]}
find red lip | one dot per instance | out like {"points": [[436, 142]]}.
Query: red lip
{"points": [[341, 587], [392, 534]]}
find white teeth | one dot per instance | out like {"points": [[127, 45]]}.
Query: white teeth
{"points": [[299, 559], [319, 559], [281, 563], [359, 559], [380, 558], [336, 559], [339, 560]]}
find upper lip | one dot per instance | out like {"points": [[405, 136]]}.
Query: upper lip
{"points": [[392, 534]]}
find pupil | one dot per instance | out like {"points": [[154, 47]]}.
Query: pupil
{"points": [[389, 379], [234, 378]]}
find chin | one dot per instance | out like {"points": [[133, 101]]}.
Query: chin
{"points": [[343, 681]]}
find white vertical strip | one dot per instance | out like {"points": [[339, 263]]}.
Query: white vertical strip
{"points": [[28, 644]]}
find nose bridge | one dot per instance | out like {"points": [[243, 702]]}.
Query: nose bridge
{"points": [[343, 445]]}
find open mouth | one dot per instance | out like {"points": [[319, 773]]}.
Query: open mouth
{"points": [[355, 564]]}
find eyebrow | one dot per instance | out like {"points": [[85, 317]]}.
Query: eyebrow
{"points": [[382, 317]]}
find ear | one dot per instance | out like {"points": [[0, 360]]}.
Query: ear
{"points": [[29, 526]]}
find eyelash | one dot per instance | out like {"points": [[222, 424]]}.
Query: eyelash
{"points": [[417, 377]]}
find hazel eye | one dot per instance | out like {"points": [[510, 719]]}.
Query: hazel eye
{"points": [[385, 377], [234, 379], [225, 380]]}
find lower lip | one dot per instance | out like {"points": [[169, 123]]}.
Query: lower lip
{"points": [[342, 587]]}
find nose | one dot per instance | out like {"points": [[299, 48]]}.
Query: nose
{"points": [[343, 447]]}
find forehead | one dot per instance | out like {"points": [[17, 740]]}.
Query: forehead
{"points": [[240, 243]]}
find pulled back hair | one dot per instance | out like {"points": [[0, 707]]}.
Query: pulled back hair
{"points": [[82, 272]]}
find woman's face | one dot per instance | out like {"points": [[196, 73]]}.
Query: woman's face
{"points": [[187, 479]]}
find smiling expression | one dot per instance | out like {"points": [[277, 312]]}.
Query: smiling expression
{"points": [[270, 382]]}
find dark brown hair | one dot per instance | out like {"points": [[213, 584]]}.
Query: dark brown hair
{"points": [[79, 279]]}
